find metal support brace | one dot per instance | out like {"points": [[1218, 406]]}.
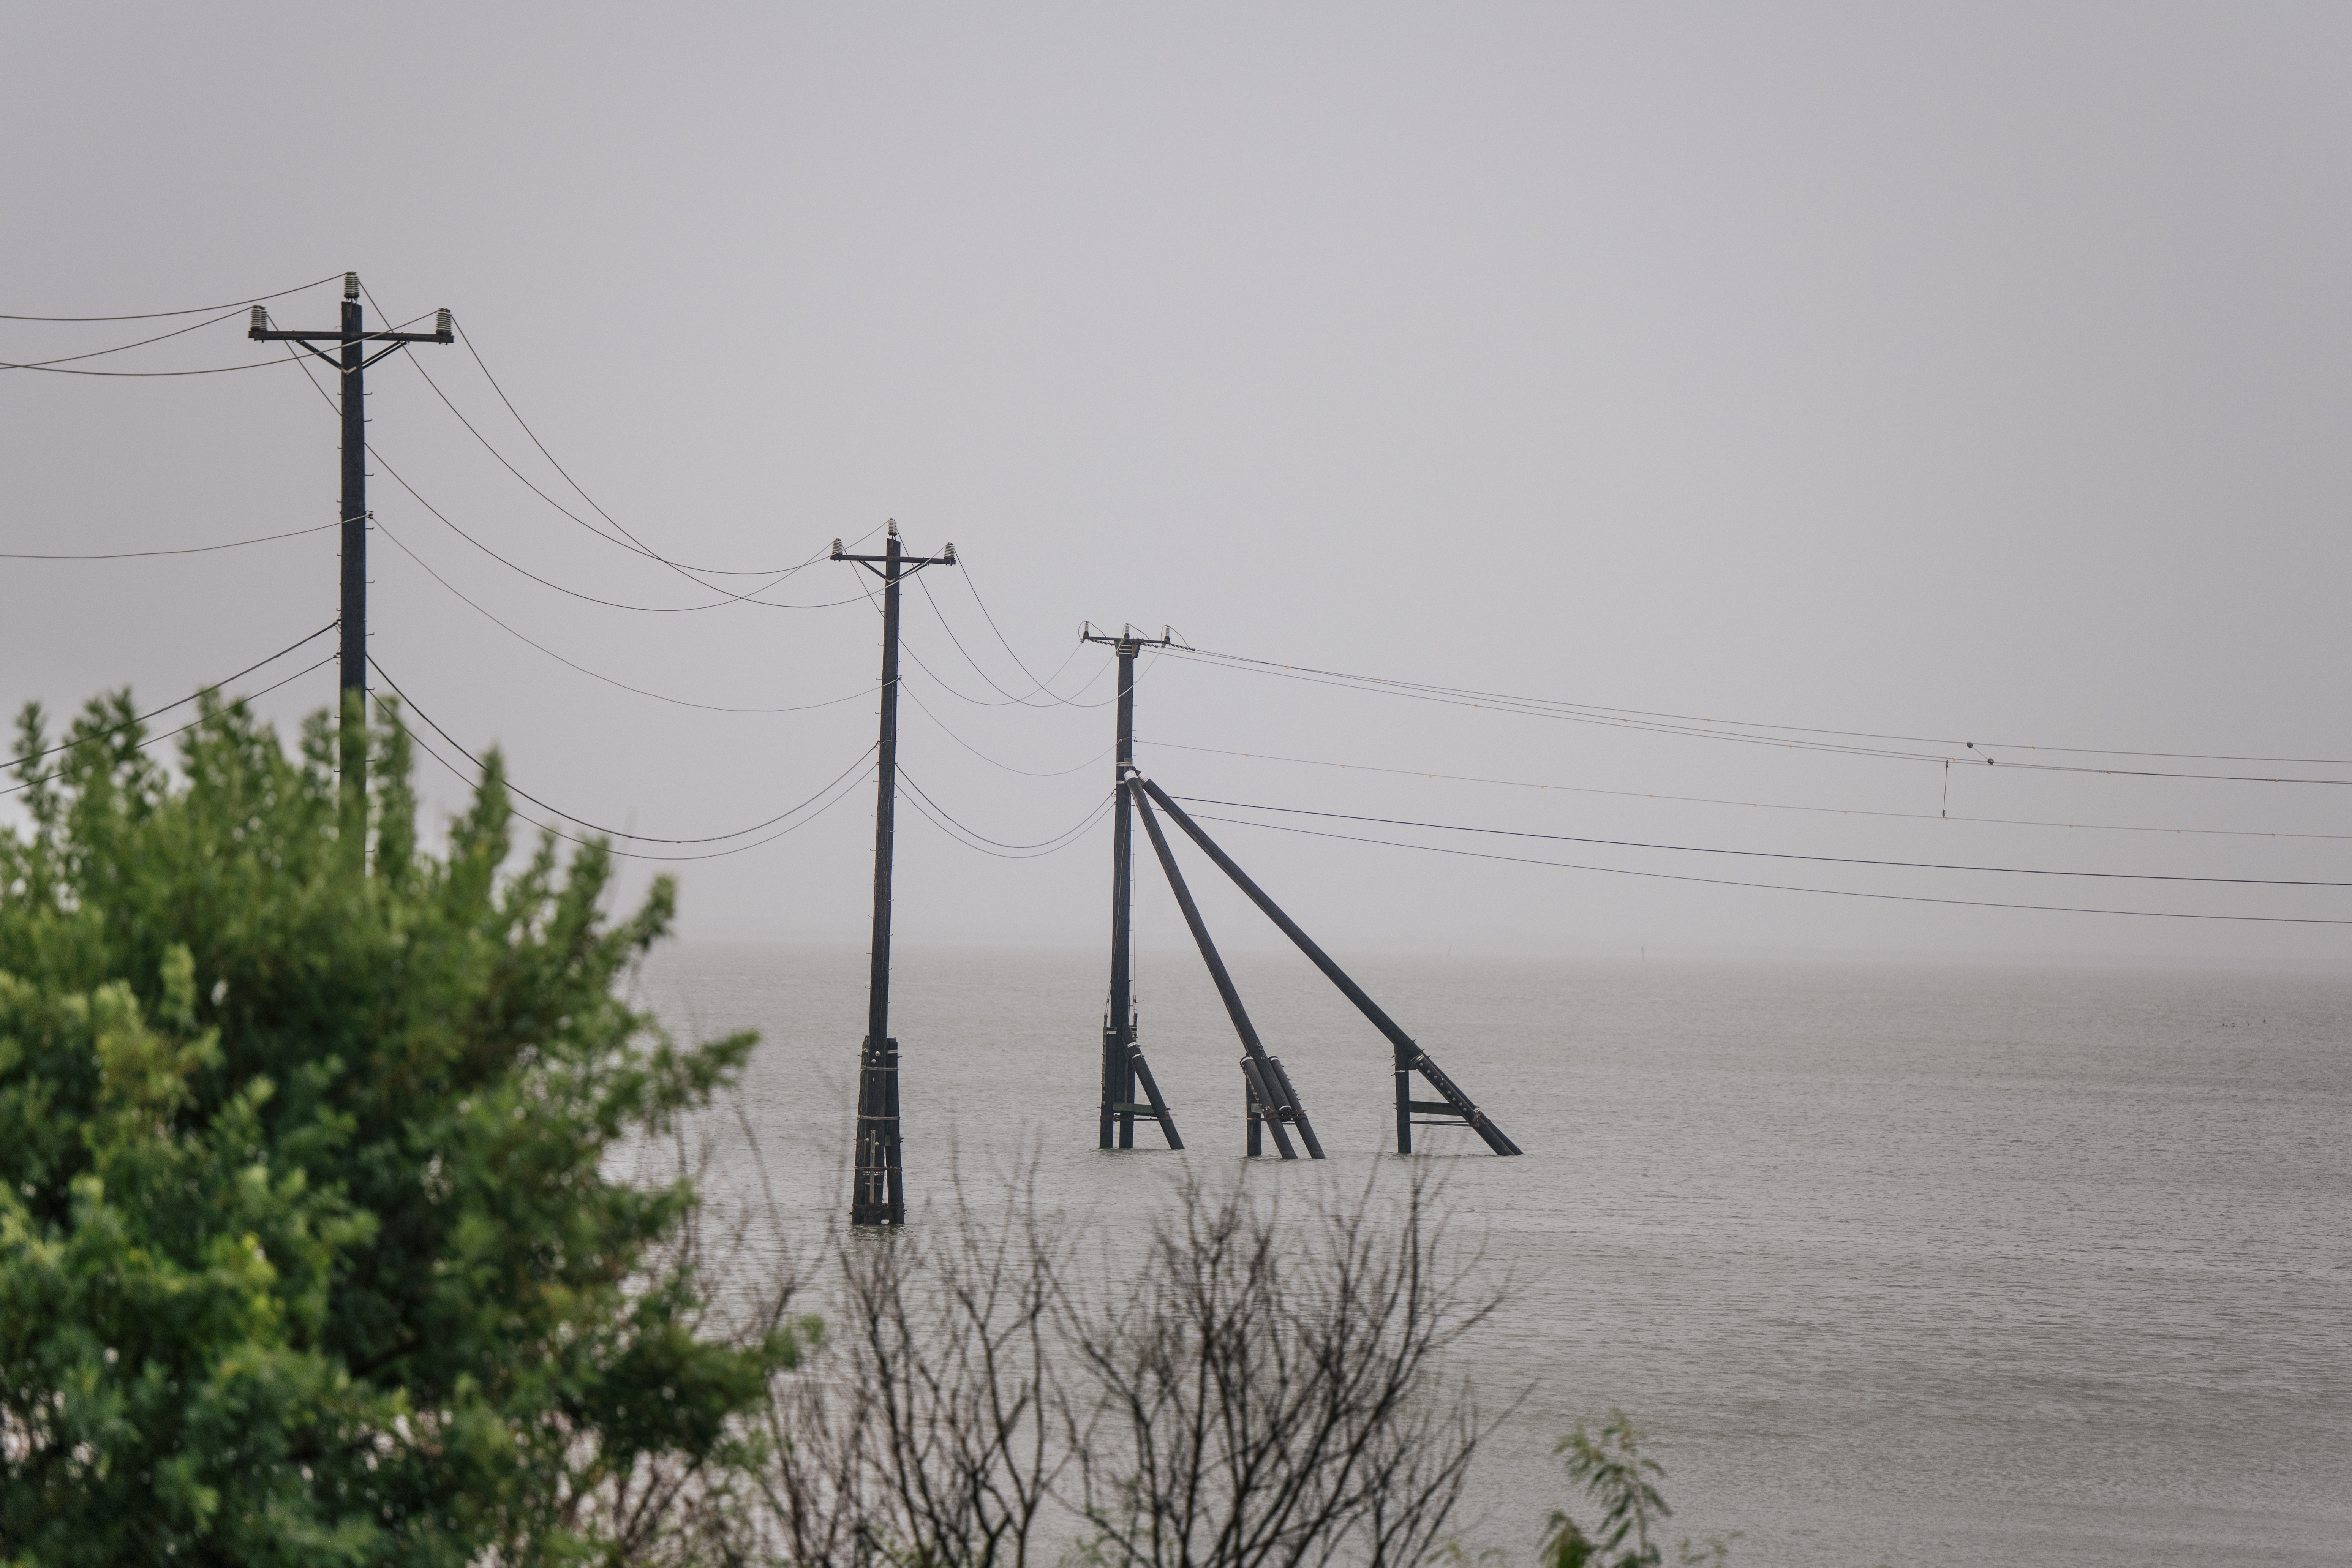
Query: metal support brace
{"points": [[1410, 1058], [1269, 1085]]}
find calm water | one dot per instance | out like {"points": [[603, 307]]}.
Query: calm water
{"points": [[1913, 1266]]}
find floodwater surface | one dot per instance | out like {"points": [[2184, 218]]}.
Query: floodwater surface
{"points": [[1918, 1266]]}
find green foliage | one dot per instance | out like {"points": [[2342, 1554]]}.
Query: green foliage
{"points": [[305, 1253], [1615, 1476]]}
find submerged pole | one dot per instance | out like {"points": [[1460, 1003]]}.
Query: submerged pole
{"points": [[878, 1194], [1119, 1020], [1123, 1065]]}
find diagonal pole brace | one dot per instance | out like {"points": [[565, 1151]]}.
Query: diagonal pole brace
{"points": [[1410, 1057], [1267, 1079]]}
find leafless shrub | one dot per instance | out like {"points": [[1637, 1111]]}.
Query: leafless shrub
{"points": [[1262, 1387], [1271, 1390], [931, 1432]]}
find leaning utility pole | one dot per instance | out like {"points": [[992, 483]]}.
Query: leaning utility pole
{"points": [[1123, 1065], [353, 661], [877, 1196]]}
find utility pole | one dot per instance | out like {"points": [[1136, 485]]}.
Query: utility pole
{"points": [[878, 1194], [1123, 1065], [350, 369]]}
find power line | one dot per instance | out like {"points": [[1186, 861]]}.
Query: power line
{"points": [[775, 575], [957, 641], [593, 674], [1780, 886], [119, 348], [574, 593], [159, 739], [908, 692], [547, 583], [192, 311], [1671, 723], [1044, 846], [1023, 700], [190, 550], [598, 828], [951, 691], [1043, 686], [628, 540], [181, 703], [926, 669], [608, 517], [459, 774], [215, 370], [1750, 804], [925, 809], [1037, 687], [1375, 684], [1768, 854]]}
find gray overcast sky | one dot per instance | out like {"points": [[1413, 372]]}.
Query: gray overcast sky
{"points": [[1963, 372]]}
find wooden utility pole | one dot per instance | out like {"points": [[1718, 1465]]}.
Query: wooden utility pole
{"points": [[877, 1193], [1123, 1066], [350, 369]]}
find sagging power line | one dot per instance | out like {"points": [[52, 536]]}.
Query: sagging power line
{"points": [[1546, 787], [185, 550], [1767, 854], [1753, 734], [191, 310], [24, 759], [1780, 887]]}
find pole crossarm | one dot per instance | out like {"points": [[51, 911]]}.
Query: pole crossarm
{"points": [[261, 332], [907, 565], [1129, 639], [1410, 1057], [272, 337]]}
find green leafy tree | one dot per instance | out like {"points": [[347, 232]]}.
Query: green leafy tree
{"points": [[307, 1251]]}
